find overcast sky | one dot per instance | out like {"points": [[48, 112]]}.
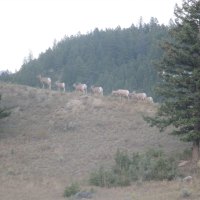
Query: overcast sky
{"points": [[32, 25]]}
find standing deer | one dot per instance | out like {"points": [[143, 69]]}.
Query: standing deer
{"points": [[138, 96], [97, 90], [45, 81], [60, 86], [121, 93], [80, 87]]}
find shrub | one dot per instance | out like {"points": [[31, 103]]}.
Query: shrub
{"points": [[186, 154], [122, 161], [161, 168], [123, 179], [185, 193], [103, 178], [153, 165], [71, 190], [3, 111]]}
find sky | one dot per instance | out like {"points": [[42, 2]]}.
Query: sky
{"points": [[32, 26]]}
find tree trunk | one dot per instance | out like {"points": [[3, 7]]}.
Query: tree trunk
{"points": [[195, 151]]}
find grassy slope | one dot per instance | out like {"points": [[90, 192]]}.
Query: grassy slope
{"points": [[52, 139]]}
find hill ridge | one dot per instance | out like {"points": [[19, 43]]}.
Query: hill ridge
{"points": [[55, 138]]}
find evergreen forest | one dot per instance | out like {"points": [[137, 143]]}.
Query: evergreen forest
{"points": [[120, 58]]}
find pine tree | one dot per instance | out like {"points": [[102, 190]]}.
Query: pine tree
{"points": [[179, 69]]}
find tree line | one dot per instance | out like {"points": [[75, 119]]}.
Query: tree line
{"points": [[113, 58]]}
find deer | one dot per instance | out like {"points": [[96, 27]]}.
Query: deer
{"points": [[97, 90], [121, 93], [45, 81], [60, 86], [80, 87]]}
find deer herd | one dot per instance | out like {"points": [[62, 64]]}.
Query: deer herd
{"points": [[80, 87]]}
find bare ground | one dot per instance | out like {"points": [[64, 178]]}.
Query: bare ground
{"points": [[52, 139]]}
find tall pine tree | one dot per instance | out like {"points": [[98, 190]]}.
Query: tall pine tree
{"points": [[179, 69]]}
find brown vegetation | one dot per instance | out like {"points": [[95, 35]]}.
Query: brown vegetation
{"points": [[52, 139]]}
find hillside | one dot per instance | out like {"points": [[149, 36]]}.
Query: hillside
{"points": [[52, 139], [113, 58]]}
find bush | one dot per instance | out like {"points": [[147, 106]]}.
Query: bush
{"points": [[71, 190], [161, 168], [157, 166], [122, 161], [153, 165], [185, 193], [3, 111], [103, 178], [186, 154]]}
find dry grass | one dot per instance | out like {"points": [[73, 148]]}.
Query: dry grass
{"points": [[52, 139]]}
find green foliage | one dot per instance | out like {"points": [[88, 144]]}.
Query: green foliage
{"points": [[3, 111], [185, 155], [153, 165], [179, 70], [122, 161], [6, 76], [103, 178], [71, 190], [185, 193], [113, 58]]}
